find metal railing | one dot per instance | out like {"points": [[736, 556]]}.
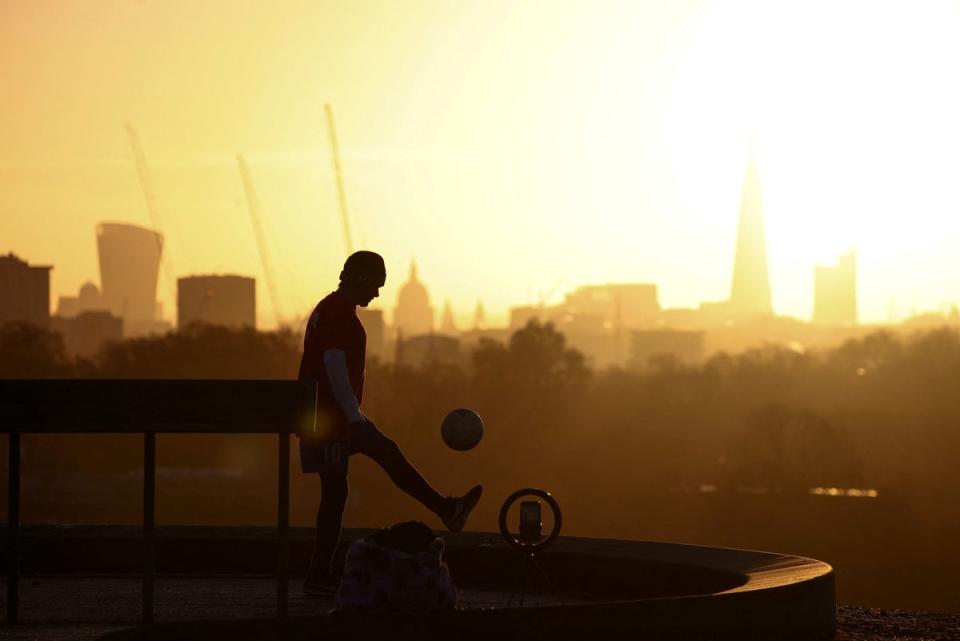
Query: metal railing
{"points": [[153, 407]]}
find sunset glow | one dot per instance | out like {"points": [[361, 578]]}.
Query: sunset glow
{"points": [[515, 150]]}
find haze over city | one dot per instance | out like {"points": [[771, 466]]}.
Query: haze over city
{"points": [[323, 306], [515, 152]]}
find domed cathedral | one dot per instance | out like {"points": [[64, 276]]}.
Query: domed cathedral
{"points": [[413, 314]]}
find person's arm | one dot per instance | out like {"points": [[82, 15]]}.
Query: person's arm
{"points": [[335, 362]]}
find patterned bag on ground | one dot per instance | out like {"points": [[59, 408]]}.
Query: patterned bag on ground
{"points": [[399, 569]]}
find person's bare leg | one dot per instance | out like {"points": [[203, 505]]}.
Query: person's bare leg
{"points": [[372, 442], [333, 499]]}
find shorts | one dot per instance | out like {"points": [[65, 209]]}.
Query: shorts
{"points": [[326, 458], [333, 457]]}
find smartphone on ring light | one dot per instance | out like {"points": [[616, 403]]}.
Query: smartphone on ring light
{"points": [[531, 520]]}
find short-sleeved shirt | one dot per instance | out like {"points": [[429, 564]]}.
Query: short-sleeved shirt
{"points": [[333, 325]]}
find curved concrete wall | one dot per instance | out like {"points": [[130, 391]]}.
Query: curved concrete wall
{"points": [[723, 594]]}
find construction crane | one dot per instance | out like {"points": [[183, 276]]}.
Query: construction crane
{"points": [[544, 297], [151, 199], [253, 204], [341, 193]]}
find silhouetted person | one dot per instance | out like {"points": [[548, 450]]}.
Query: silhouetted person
{"points": [[334, 355]]}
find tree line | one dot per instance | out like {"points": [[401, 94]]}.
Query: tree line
{"points": [[876, 411]]}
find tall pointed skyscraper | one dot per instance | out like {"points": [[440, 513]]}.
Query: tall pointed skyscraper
{"points": [[750, 292]]}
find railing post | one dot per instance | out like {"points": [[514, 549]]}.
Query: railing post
{"points": [[149, 509], [283, 521], [13, 528]]}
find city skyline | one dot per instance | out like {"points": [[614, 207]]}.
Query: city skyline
{"points": [[741, 270], [275, 275], [522, 151], [412, 313]]}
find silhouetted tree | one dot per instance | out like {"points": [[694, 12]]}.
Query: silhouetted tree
{"points": [[536, 358], [29, 351], [204, 351], [876, 412], [793, 450]]}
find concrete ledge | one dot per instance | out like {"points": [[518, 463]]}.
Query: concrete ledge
{"points": [[618, 589]]}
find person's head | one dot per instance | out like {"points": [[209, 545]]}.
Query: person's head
{"points": [[362, 277]]}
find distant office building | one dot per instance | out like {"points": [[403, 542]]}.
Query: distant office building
{"points": [[619, 304], [622, 324], [601, 347], [684, 317], [682, 346], [230, 301], [722, 313], [413, 314], [129, 269], [600, 340], [374, 326], [428, 350], [596, 307], [750, 291], [835, 292], [85, 333], [24, 291], [87, 300]]}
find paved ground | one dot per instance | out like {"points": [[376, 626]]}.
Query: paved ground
{"points": [[62, 609], [871, 624], [82, 609]]}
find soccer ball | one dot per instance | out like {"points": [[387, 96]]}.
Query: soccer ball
{"points": [[462, 429]]}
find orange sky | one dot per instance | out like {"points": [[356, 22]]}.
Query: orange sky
{"points": [[515, 149]]}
